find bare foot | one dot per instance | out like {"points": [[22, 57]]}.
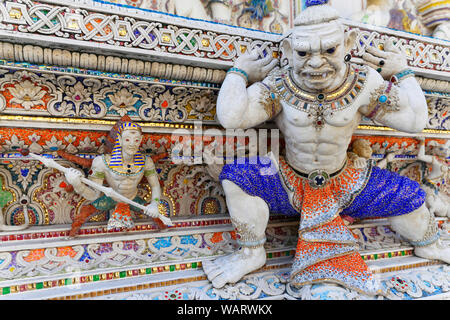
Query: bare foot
{"points": [[435, 251], [231, 268]]}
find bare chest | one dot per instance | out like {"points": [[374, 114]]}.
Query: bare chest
{"points": [[122, 175], [318, 116], [336, 109], [118, 178]]}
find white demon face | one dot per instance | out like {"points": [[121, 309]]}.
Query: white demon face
{"points": [[316, 55]]}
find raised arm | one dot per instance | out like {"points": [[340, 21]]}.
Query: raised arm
{"points": [[240, 105], [397, 100]]}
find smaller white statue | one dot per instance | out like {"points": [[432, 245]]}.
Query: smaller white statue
{"points": [[362, 151], [123, 169], [438, 202]]}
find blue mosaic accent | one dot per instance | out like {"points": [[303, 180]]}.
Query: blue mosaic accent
{"points": [[247, 175], [186, 240], [85, 257], [310, 3], [258, 9], [239, 71], [163, 242], [427, 242], [386, 194], [443, 94]]}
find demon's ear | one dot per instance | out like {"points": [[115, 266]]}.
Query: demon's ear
{"points": [[350, 40], [286, 48]]}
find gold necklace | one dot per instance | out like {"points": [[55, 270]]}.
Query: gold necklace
{"points": [[321, 104]]}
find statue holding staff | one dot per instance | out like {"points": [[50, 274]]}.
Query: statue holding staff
{"points": [[123, 170]]}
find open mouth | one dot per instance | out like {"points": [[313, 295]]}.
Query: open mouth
{"points": [[317, 75]]}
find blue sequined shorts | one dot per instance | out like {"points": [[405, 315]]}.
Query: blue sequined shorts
{"points": [[386, 193]]}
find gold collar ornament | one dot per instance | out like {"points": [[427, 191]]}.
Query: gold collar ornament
{"points": [[319, 105]]}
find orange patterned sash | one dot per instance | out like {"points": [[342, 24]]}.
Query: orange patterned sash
{"points": [[326, 249], [121, 217]]}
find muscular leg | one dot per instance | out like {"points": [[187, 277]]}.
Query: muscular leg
{"points": [[249, 215], [420, 228]]}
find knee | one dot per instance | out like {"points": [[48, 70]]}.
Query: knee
{"points": [[230, 188], [412, 223], [238, 200]]}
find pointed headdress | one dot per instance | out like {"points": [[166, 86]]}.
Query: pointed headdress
{"points": [[116, 154]]}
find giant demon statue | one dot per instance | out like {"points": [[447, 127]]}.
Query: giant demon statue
{"points": [[317, 102]]}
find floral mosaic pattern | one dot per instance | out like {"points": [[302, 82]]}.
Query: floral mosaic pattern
{"points": [[281, 242], [59, 205], [23, 92], [194, 191], [31, 93]]}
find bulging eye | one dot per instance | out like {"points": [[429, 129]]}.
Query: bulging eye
{"points": [[301, 53], [331, 50]]}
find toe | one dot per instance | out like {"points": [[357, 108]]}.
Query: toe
{"points": [[211, 270], [213, 273], [207, 265], [219, 282]]}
